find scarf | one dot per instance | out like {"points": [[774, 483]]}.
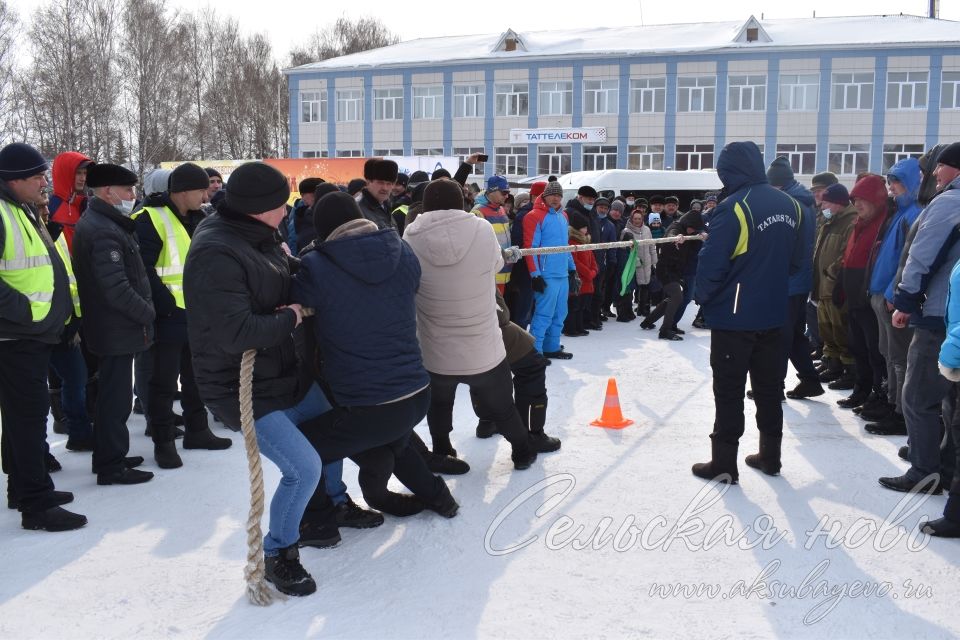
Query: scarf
{"points": [[579, 238], [635, 230]]}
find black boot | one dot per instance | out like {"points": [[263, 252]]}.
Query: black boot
{"points": [[669, 334], [523, 456], [59, 498], [833, 370], [349, 514], [942, 528], [486, 429], [165, 453], [444, 504], [722, 466], [845, 381], [625, 311], [438, 463], [893, 425], [285, 572], [806, 389], [124, 476], [53, 465], [205, 440], [399, 505], [52, 519], [320, 535], [534, 416], [56, 410], [768, 458], [855, 399]]}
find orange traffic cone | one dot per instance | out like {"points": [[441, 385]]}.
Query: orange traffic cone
{"points": [[612, 417]]}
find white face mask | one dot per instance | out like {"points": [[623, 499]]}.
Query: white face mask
{"points": [[631, 202], [827, 214], [126, 206]]}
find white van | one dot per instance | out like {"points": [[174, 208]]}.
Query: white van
{"points": [[686, 185]]}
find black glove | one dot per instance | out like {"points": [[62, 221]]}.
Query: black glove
{"points": [[575, 283], [539, 284]]}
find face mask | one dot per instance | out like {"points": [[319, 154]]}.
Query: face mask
{"points": [[827, 214], [588, 207], [631, 201], [126, 206]]}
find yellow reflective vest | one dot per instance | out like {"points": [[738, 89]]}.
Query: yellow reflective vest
{"points": [[64, 252], [176, 244], [25, 263]]}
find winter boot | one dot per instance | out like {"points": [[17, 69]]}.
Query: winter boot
{"points": [[722, 466], [444, 503], [855, 399], [80, 443], [486, 429], [833, 371], [669, 335], [625, 311], [320, 535], [523, 455], [824, 365], [806, 389], [349, 514], [165, 453], [52, 519], [892, 425], [437, 463], [877, 411], [56, 410], [845, 381], [558, 355], [205, 440], [399, 505], [124, 476], [286, 573], [768, 458], [534, 416], [53, 465], [942, 528]]}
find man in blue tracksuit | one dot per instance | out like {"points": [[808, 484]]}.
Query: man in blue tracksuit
{"points": [[796, 347], [546, 226], [743, 287]]}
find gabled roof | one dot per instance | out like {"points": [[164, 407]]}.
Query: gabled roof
{"points": [[805, 33]]}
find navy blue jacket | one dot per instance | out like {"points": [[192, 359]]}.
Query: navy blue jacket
{"points": [[363, 288], [802, 280], [753, 247]]}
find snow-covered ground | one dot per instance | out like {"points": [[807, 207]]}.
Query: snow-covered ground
{"points": [[524, 557]]}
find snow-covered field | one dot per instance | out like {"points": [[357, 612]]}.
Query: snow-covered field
{"points": [[588, 543]]}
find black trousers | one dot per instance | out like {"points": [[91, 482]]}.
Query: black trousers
{"points": [[599, 294], [114, 402], [667, 308], [24, 404], [578, 312], [492, 393], [529, 389], [952, 509], [864, 344], [172, 362], [796, 347], [733, 355], [377, 438], [611, 286]]}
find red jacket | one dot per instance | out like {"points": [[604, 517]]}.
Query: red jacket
{"points": [[66, 205], [586, 268]]}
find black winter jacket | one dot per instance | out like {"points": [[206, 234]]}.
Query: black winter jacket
{"points": [[16, 321], [171, 319], [235, 277], [375, 212], [115, 294]]}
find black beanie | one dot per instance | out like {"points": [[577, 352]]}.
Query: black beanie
{"points": [[440, 173], [213, 173], [110, 175], [656, 199], [692, 219], [419, 176], [307, 185], [402, 179], [671, 200], [356, 185], [441, 195], [579, 221], [189, 177], [824, 179], [19, 161], [780, 173], [333, 210], [254, 188], [950, 156], [323, 189], [379, 169], [587, 191]]}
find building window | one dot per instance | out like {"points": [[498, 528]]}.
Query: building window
{"points": [[907, 90], [950, 93], [349, 153], [694, 156], [799, 92], [466, 152], [696, 93], [599, 158], [645, 156], [384, 153], [601, 96], [510, 161], [849, 159], [428, 103], [803, 157], [894, 153], [512, 99], [554, 159], [747, 93], [648, 95], [349, 105], [313, 106], [428, 151], [388, 104], [468, 101], [852, 91], [313, 154], [556, 98]]}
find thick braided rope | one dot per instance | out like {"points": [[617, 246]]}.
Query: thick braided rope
{"points": [[257, 590]]}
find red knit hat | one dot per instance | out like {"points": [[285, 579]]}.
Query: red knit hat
{"points": [[871, 188], [536, 189]]}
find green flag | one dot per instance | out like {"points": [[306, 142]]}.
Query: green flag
{"points": [[630, 271]]}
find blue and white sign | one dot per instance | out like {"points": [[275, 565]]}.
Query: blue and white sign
{"points": [[538, 136]]}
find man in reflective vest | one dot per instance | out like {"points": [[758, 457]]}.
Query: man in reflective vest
{"points": [[164, 228], [34, 306], [117, 314]]}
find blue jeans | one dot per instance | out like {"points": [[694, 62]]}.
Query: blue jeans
{"points": [[284, 445], [924, 390], [549, 313], [68, 362], [333, 482]]}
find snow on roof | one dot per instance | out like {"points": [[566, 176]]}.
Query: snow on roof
{"points": [[816, 33], [642, 180]]}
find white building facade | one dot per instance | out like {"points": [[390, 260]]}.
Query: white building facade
{"points": [[840, 94]]}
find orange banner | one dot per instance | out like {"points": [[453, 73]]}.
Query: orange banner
{"points": [[336, 170]]}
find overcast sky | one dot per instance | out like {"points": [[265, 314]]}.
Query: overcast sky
{"points": [[290, 21]]}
